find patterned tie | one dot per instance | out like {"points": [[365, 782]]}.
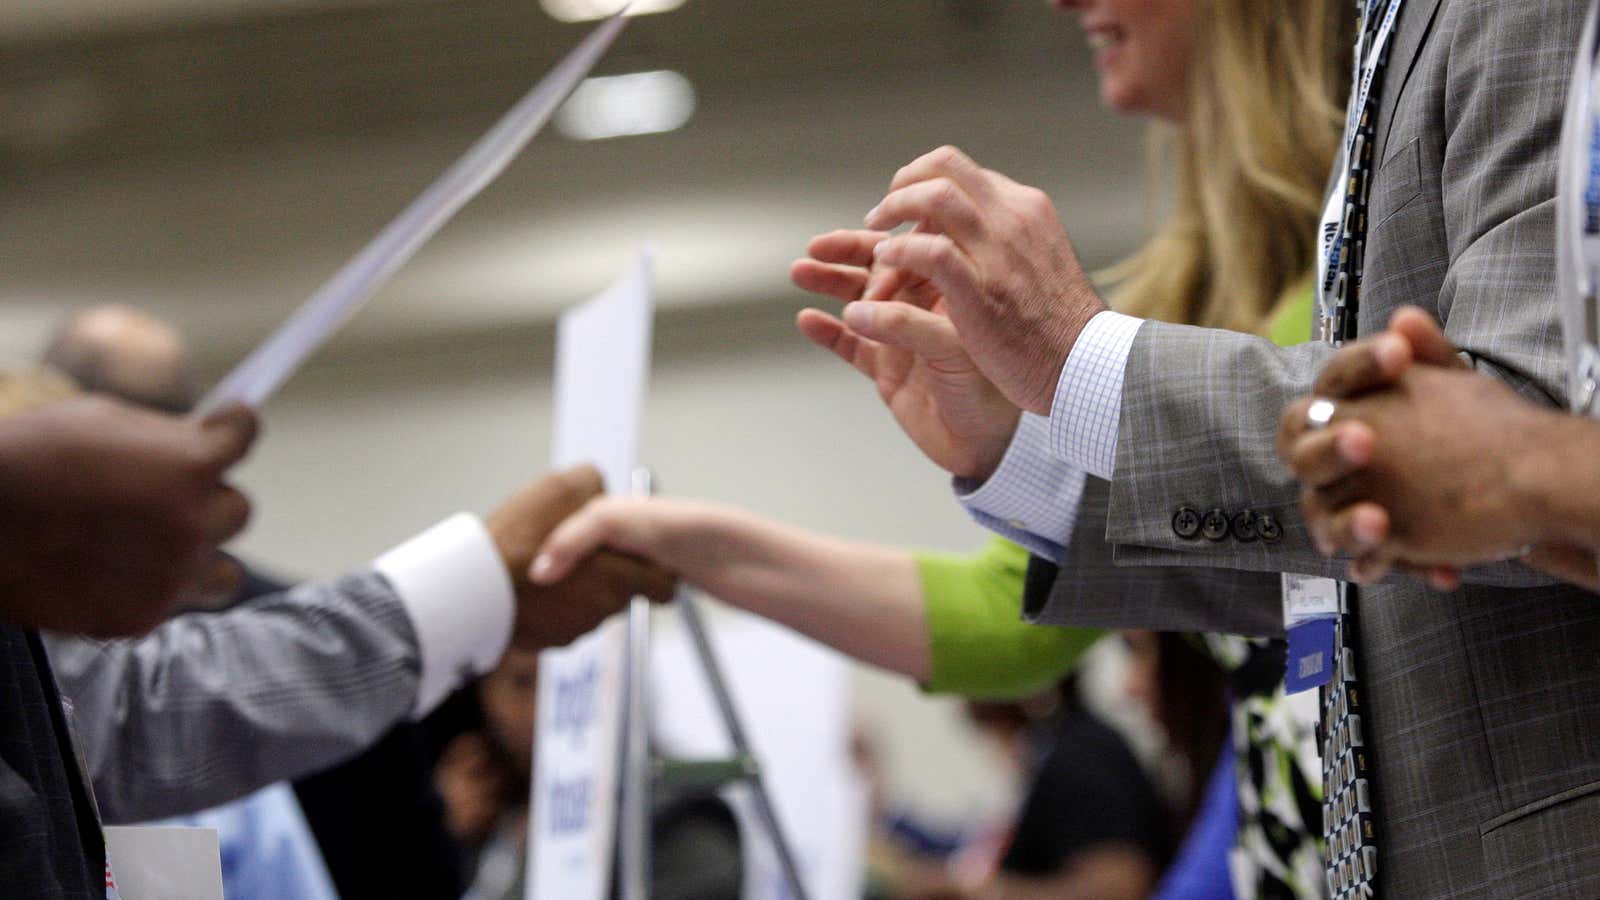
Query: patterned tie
{"points": [[1347, 772]]}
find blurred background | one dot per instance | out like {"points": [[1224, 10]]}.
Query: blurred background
{"points": [[215, 160]]}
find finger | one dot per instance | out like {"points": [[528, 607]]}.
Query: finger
{"points": [[216, 582], [844, 282], [832, 335], [1370, 568], [226, 513], [574, 540], [1320, 458], [1364, 366], [1574, 564], [1291, 426], [936, 258], [938, 206], [928, 335], [885, 282], [848, 247], [1428, 342], [228, 435], [1443, 578], [1360, 529], [639, 576], [946, 162], [1316, 517]]}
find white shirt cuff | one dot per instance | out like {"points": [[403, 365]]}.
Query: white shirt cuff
{"points": [[1032, 498], [1087, 409], [454, 585]]}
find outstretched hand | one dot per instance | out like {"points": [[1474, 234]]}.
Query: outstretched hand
{"points": [[894, 330]]}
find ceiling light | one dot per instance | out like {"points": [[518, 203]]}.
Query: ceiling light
{"points": [[585, 10], [618, 105]]}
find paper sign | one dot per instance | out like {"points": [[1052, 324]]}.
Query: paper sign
{"points": [[602, 365], [162, 863], [271, 364]]}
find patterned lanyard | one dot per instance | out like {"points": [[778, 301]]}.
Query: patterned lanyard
{"points": [[1347, 811]]}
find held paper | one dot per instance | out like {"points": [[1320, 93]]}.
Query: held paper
{"points": [[602, 364], [270, 365]]}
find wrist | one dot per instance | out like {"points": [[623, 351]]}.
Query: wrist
{"points": [[1554, 481], [1055, 347]]}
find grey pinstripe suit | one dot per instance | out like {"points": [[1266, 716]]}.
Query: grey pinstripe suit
{"points": [[207, 708], [1485, 703]]}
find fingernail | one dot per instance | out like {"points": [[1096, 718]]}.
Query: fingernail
{"points": [[542, 566], [1348, 450], [1389, 352], [872, 214], [1367, 533], [859, 315]]}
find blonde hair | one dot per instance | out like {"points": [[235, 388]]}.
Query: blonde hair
{"points": [[1248, 165]]}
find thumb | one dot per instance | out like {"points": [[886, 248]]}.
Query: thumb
{"points": [[228, 434], [929, 335], [1429, 345]]}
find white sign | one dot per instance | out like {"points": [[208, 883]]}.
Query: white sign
{"points": [[602, 365]]}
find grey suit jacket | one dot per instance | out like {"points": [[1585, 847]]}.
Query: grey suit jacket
{"points": [[1485, 703], [210, 707]]}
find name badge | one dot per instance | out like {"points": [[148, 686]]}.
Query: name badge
{"points": [[162, 863], [1310, 613]]}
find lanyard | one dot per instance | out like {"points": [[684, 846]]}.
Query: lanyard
{"points": [[1349, 190], [1587, 242]]}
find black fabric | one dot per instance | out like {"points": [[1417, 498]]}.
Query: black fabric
{"points": [[50, 841], [377, 817], [1088, 790]]}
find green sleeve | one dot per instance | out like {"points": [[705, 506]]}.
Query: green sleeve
{"points": [[980, 645]]}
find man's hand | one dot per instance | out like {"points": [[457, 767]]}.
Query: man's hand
{"points": [[1425, 464], [997, 252], [110, 516], [554, 615], [910, 350]]}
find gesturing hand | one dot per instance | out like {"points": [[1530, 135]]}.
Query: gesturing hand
{"points": [[910, 350], [110, 516], [555, 614], [998, 254]]}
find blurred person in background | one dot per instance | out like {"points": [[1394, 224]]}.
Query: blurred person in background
{"points": [[483, 740], [209, 707], [1249, 100]]}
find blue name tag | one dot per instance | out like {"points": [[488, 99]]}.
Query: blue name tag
{"points": [[1311, 655]]}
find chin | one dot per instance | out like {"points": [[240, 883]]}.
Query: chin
{"points": [[1122, 98]]}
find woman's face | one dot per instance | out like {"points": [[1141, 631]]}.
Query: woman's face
{"points": [[1141, 50]]}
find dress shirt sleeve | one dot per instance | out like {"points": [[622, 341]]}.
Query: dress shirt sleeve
{"points": [[1032, 498], [455, 588], [1087, 408]]}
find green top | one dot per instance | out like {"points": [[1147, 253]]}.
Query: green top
{"points": [[980, 644]]}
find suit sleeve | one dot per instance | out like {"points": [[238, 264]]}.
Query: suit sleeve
{"points": [[212, 706]]}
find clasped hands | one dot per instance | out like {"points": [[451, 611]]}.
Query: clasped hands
{"points": [[1428, 466]]}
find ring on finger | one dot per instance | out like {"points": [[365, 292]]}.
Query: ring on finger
{"points": [[1319, 413]]}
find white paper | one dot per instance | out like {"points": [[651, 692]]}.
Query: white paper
{"points": [[164, 863], [270, 365], [602, 366]]}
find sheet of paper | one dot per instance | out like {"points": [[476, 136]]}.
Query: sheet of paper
{"points": [[164, 863], [602, 368], [271, 364]]}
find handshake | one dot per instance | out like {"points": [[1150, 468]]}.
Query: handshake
{"points": [[111, 518]]}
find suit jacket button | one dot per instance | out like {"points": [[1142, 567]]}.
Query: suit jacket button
{"points": [[1244, 527], [1186, 523], [1214, 527], [1269, 529]]}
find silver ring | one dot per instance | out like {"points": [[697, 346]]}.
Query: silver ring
{"points": [[1319, 413]]}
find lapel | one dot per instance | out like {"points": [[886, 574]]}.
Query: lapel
{"points": [[1411, 31]]}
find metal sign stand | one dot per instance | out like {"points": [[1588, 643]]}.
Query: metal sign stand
{"points": [[643, 770]]}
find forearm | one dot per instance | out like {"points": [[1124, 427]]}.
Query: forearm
{"points": [[862, 599], [1111, 872], [211, 706]]}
